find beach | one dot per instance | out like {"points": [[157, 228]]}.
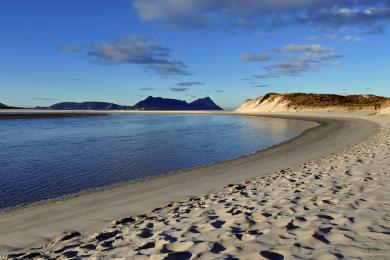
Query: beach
{"points": [[321, 195]]}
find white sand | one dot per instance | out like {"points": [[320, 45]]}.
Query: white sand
{"points": [[325, 200]]}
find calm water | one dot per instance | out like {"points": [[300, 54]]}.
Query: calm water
{"points": [[47, 158]]}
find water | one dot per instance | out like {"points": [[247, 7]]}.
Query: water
{"points": [[48, 158]]}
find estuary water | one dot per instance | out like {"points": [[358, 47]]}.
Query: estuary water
{"points": [[47, 158]]}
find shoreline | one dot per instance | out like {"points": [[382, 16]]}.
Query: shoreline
{"points": [[118, 185], [23, 227], [133, 182]]}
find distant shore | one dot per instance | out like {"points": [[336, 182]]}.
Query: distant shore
{"points": [[31, 113], [35, 113]]}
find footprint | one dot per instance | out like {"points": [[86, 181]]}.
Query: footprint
{"points": [[325, 230], [168, 237], [145, 233], [193, 229], [107, 235], [32, 255], [125, 221], [323, 216], [70, 254], [266, 214], [62, 249], [299, 245], [178, 255], [218, 223], [255, 232], [15, 255], [107, 244], [290, 226], [70, 236], [271, 255], [217, 248], [321, 238], [88, 247]]}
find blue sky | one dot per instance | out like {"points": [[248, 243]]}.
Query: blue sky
{"points": [[123, 51]]}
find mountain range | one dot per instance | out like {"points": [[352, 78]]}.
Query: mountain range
{"points": [[150, 103], [87, 106]]}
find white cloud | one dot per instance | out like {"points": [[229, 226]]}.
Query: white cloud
{"points": [[295, 59]]}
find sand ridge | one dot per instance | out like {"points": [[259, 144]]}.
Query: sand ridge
{"points": [[328, 208]]}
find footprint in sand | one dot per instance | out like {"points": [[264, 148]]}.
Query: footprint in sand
{"points": [[271, 255], [106, 235], [178, 255]]}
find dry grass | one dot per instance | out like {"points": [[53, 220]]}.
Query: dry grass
{"points": [[330, 100]]}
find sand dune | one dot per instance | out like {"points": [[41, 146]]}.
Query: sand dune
{"points": [[330, 207], [293, 102]]}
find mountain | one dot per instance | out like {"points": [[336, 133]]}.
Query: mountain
{"points": [[204, 104], [273, 102], [2, 106], [87, 106], [158, 103]]}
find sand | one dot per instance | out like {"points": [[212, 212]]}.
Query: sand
{"points": [[322, 195]]}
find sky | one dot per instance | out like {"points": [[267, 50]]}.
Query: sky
{"points": [[230, 50]]}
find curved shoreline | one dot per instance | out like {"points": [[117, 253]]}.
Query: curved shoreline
{"points": [[25, 227], [118, 185]]}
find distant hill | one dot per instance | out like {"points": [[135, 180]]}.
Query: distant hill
{"points": [[204, 104], [273, 102], [87, 106], [2, 106], [158, 103]]}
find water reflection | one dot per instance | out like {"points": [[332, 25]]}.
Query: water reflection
{"points": [[46, 158]]}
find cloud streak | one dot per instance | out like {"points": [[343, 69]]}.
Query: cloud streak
{"points": [[70, 48], [138, 50], [189, 83], [226, 14], [44, 99], [314, 48], [260, 86], [255, 57], [295, 59], [336, 37], [363, 15], [174, 89]]}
